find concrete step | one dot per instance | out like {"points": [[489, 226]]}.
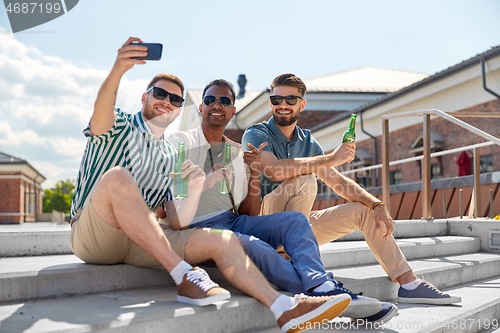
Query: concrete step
{"points": [[155, 310], [38, 239], [63, 275], [355, 253], [139, 310], [51, 276], [478, 312], [443, 272], [26, 278], [34, 239]]}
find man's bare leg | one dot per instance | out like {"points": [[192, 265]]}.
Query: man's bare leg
{"points": [[118, 201], [224, 248]]}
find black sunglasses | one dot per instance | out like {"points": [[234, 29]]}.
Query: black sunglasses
{"points": [[223, 100], [290, 99], [161, 94]]}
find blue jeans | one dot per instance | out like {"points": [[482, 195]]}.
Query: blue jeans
{"points": [[260, 236]]}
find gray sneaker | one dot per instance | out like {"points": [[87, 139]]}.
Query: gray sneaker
{"points": [[388, 311], [426, 293], [360, 306]]}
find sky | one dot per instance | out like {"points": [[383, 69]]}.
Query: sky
{"points": [[50, 74]]}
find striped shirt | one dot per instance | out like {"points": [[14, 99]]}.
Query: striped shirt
{"points": [[129, 144]]}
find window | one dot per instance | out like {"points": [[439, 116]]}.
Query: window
{"points": [[362, 178], [395, 177], [486, 163], [435, 171], [363, 181]]}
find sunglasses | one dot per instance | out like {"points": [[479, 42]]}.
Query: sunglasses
{"points": [[224, 101], [161, 94], [290, 99]]}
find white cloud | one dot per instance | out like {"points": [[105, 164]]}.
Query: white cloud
{"points": [[70, 147], [27, 136], [46, 102]]}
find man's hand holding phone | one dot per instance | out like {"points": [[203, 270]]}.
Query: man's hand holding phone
{"points": [[134, 51]]}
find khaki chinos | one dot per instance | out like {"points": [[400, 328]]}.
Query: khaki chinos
{"points": [[299, 193]]}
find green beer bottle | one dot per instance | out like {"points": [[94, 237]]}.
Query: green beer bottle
{"points": [[180, 184], [350, 134], [224, 185]]}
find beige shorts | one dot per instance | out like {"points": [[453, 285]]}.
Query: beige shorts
{"points": [[96, 242]]}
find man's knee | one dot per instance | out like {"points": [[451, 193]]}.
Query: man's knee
{"points": [[294, 218], [117, 177], [299, 185], [218, 241]]}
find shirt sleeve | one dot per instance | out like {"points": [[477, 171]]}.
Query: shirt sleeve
{"points": [[317, 149], [121, 122], [255, 137]]}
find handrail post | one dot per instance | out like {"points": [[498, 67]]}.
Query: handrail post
{"points": [[426, 169], [328, 196], [477, 184], [386, 186]]}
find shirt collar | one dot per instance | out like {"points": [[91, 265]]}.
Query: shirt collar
{"points": [[203, 140], [140, 123]]}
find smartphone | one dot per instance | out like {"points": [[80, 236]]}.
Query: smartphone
{"points": [[154, 51]]}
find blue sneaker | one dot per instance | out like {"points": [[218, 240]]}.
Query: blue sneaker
{"points": [[388, 311], [426, 293], [360, 306]]}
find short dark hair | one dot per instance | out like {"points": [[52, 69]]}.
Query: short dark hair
{"points": [[222, 83], [290, 80], [167, 77]]}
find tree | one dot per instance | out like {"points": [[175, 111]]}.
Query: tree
{"points": [[59, 198]]}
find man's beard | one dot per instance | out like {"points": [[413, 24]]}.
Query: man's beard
{"points": [[285, 122], [161, 121]]}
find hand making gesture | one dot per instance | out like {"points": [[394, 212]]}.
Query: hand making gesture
{"points": [[252, 158]]}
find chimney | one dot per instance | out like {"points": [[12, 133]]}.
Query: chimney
{"points": [[242, 82]]}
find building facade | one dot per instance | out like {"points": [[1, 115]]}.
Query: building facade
{"points": [[20, 190]]}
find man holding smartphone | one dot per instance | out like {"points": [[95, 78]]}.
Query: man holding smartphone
{"points": [[125, 175]]}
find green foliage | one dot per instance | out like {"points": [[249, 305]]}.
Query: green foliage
{"points": [[59, 198]]}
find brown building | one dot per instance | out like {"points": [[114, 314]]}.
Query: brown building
{"points": [[457, 89], [20, 190]]}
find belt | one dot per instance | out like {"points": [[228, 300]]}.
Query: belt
{"points": [[76, 217]]}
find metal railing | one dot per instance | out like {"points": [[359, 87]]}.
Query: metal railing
{"points": [[426, 165]]}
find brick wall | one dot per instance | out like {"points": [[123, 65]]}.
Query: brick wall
{"points": [[311, 119], [454, 137], [12, 199], [234, 134], [10, 189]]}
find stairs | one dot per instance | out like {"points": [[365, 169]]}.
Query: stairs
{"points": [[45, 288]]}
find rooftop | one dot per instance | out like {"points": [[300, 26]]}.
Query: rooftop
{"points": [[364, 79], [491, 53], [8, 159]]}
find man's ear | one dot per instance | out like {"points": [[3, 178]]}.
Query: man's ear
{"points": [[234, 110], [143, 99], [199, 108], [302, 105]]}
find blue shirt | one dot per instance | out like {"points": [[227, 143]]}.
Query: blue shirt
{"points": [[302, 145]]}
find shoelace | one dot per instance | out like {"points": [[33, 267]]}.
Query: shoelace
{"points": [[432, 287], [340, 286], [201, 279], [302, 296]]}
